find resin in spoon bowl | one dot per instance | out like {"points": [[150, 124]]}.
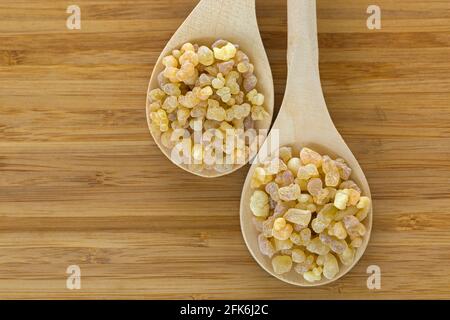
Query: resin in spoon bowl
{"points": [[236, 22], [303, 121]]}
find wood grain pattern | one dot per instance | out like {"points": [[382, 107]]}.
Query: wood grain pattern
{"points": [[82, 182]]}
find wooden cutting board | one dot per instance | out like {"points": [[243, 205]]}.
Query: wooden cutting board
{"points": [[82, 183]]}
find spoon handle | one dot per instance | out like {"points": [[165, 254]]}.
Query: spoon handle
{"points": [[302, 29], [225, 17], [304, 105]]}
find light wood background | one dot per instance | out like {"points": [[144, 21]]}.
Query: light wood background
{"points": [[82, 182]]}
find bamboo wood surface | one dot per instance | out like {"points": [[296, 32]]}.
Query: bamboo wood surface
{"points": [[82, 181]]}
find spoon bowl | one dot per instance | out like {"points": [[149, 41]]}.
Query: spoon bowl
{"points": [[303, 121], [236, 22]]}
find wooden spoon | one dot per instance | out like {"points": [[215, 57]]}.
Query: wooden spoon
{"points": [[303, 121], [236, 22]]}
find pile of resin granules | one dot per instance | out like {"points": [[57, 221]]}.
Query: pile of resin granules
{"points": [[308, 213]]}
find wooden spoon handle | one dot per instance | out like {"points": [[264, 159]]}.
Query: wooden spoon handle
{"points": [[225, 17], [304, 101], [302, 29]]}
